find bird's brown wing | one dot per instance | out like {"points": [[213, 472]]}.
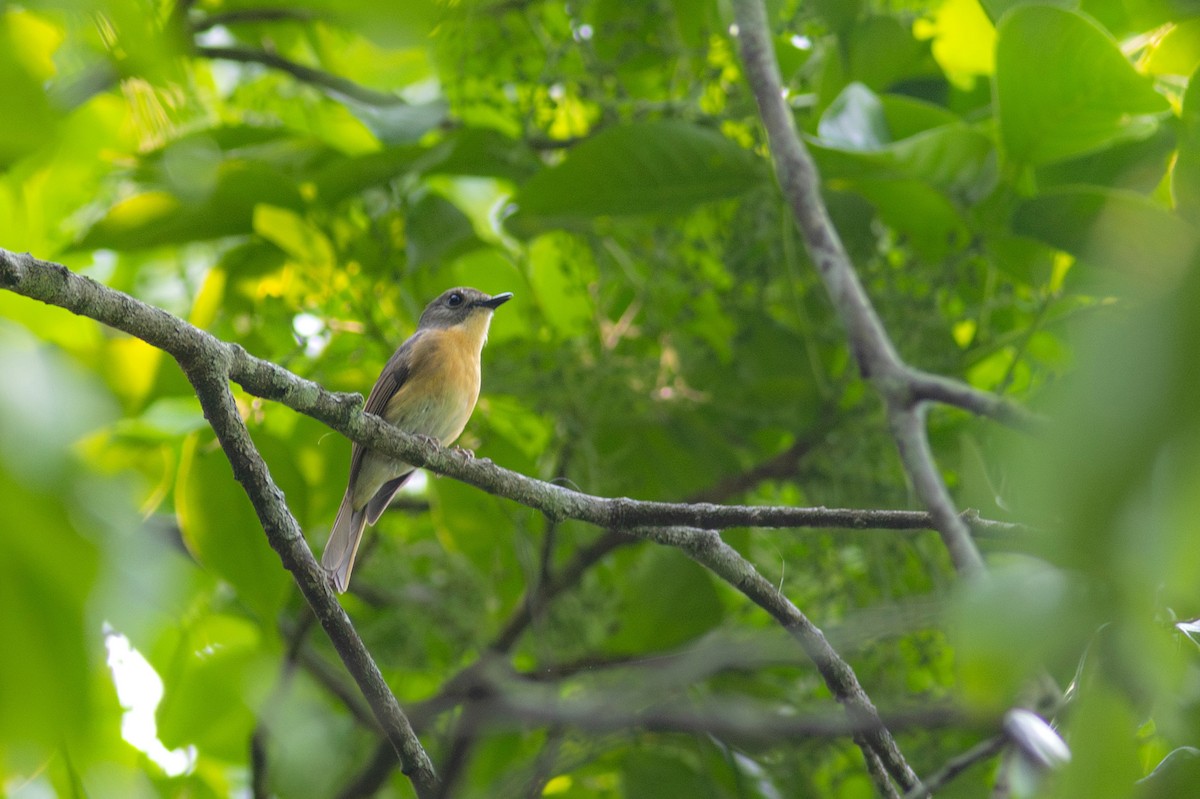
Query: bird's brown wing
{"points": [[394, 375]]}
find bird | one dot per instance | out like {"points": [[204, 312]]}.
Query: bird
{"points": [[428, 388]]}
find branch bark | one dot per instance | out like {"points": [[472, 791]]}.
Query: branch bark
{"points": [[207, 362], [903, 389], [210, 363], [302, 73]]}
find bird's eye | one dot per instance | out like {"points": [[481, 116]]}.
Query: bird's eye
{"points": [[454, 300]]}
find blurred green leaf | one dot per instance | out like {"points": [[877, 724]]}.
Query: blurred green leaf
{"points": [[1185, 177], [1118, 231], [1064, 88], [25, 41], [155, 218], [666, 600], [652, 167], [220, 676], [221, 529], [438, 232]]}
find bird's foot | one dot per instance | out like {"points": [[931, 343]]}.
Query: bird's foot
{"points": [[463, 452]]}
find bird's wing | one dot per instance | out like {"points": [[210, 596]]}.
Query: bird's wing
{"points": [[394, 375]]}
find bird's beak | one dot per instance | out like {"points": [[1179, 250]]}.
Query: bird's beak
{"points": [[495, 302]]}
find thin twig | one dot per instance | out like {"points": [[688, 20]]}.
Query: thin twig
{"points": [[316, 77], [957, 765]]}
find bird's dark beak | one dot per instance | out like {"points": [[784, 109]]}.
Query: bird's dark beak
{"points": [[495, 302]]}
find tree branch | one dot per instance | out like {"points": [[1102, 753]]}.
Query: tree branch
{"points": [[902, 392], [707, 549], [316, 77], [210, 363], [207, 363], [957, 765]]}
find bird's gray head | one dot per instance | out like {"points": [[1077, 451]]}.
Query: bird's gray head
{"points": [[460, 306]]}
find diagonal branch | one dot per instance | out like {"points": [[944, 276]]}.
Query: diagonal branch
{"points": [[210, 363], [707, 549], [903, 390], [207, 362], [54, 284], [305, 74]]}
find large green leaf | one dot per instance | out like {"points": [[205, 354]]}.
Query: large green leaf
{"points": [[1116, 230], [221, 529], [438, 231], [51, 544], [641, 168], [1185, 177], [864, 135], [666, 600], [219, 677], [1064, 88], [157, 217]]}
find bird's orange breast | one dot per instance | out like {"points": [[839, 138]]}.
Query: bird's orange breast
{"points": [[442, 386]]}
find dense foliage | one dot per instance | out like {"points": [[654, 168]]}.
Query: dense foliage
{"points": [[1017, 182]]}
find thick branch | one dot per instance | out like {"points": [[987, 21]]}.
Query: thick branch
{"points": [[877, 358], [56, 285], [207, 361], [935, 388]]}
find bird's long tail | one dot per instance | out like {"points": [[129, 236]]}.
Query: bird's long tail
{"points": [[338, 557]]}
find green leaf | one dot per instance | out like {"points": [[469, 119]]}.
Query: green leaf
{"points": [[219, 677], [926, 219], [884, 53], [1064, 88], [221, 529], [401, 123], [438, 232], [1138, 164], [1177, 52], [484, 153], [666, 601], [997, 8], [49, 555], [854, 121], [32, 121], [641, 168], [156, 218], [1115, 230], [348, 175], [856, 143], [295, 235], [1185, 177]]}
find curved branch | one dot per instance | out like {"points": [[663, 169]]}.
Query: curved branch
{"points": [[54, 284], [316, 77], [707, 549], [957, 765], [873, 350], [207, 362], [210, 363], [935, 388]]}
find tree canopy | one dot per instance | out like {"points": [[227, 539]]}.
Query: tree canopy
{"points": [[1015, 191]]}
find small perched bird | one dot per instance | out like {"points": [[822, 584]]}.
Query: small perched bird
{"points": [[428, 388]]}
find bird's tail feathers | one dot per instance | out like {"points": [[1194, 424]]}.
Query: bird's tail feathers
{"points": [[344, 538]]}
